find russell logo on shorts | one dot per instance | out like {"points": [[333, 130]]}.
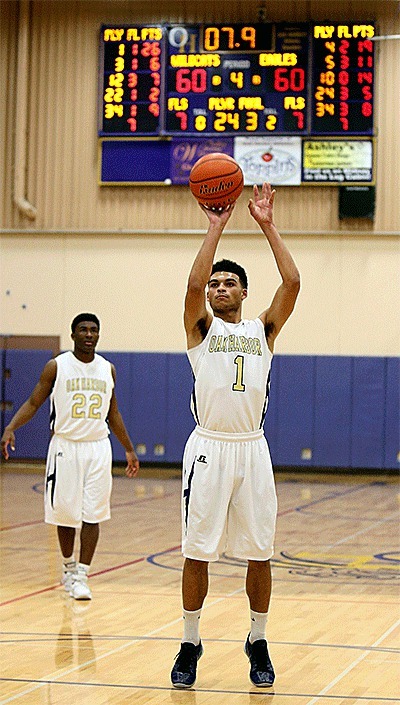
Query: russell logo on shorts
{"points": [[202, 459]]}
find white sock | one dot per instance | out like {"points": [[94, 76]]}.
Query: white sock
{"points": [[258, 623], [191, 625], [69, 564]]}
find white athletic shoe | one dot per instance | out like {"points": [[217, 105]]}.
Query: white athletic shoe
{"points": [[67, 579], [80, 589]]}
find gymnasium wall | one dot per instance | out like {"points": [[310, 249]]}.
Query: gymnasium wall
{"points": [[324, 411], [125, 252]]}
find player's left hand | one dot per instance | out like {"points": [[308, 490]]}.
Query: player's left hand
{"points": [[132, 467], [261, 208], [8, 439]]}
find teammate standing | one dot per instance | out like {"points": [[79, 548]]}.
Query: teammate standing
{"points": [[78, 468], [229, 499]]}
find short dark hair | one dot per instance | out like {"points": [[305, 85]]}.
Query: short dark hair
{"points": [[226, 265], [84, 317]]}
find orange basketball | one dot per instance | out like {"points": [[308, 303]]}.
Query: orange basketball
{"points": [[216, 180]]}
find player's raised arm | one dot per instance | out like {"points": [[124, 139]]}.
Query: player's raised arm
{"points": [[197, 319], [261, 208]]}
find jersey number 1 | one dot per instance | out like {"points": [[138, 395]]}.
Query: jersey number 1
{"points": [[239, 386]]}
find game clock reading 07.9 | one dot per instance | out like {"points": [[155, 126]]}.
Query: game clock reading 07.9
{"points": [[243, 79]]}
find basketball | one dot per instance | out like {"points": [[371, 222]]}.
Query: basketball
{"points": [[216, 181]]}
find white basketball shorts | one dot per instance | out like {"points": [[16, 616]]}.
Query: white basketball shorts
{"points": [[78, 482], [228, 496]]}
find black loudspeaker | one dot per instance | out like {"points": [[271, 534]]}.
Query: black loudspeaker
{"points": [[356, 202]]}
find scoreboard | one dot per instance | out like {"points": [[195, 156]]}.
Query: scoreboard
{"points": [[236, 79]]}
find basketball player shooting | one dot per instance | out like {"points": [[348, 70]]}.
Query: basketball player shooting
{"points": [[229, 499]]}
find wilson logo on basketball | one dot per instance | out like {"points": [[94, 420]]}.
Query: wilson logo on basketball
{"points": [[206, 190]]}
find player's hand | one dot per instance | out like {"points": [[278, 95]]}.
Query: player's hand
{"points": [[219, 217], [8, 439], [261, 208], [132, 467]]}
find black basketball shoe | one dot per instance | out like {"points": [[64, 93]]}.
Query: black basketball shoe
{"points": [[262, 672], [183, 674]]}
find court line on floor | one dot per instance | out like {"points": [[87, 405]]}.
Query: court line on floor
{"points": [[91, 575], [39, 638], [365, 530], [352, 665], [54, 587], [193, 691], [334, 495], [112, 652], [22, 525], [144, 499]]}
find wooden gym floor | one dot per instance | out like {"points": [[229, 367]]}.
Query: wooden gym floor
{"points": [[334, 622]]}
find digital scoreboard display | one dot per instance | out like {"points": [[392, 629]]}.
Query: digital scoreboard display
{"points": [[132, 66], [237, 79]]}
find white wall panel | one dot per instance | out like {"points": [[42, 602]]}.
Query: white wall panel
{"points": [[348, 280]]}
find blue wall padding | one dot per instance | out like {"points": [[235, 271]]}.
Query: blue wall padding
{"points": [[392, 413], [368, 413], [122, 363], [271, 419], [25, 368], [295, 413], [345, 410], [179, 419], [332, 411], [149, 402]]}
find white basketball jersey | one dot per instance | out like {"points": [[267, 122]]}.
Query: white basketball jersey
{"points": [[80, 399], [231, 377]]}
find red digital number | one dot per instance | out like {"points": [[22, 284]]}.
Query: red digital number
{"points": [[367, 93], [132, 80], [154, 95], [366, 109], [183, 119], [289, 80], [300, 118], [364, 77], [154, 109], [366, 44], [154, 64], [344, 62], [187, 80]]}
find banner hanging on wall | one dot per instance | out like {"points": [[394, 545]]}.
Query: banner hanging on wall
{"points": [[338, 161], [273, 159]]}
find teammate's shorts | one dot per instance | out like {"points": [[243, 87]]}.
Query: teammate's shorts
{"points": [[229, 501], [78, 482]]}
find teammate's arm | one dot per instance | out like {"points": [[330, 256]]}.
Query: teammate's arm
{"points": [[282, 305], [197, 319], [117, 426], [29, 408]]}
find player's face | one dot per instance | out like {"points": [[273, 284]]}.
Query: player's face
{"points": [[85, 337], [225, 292]]}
